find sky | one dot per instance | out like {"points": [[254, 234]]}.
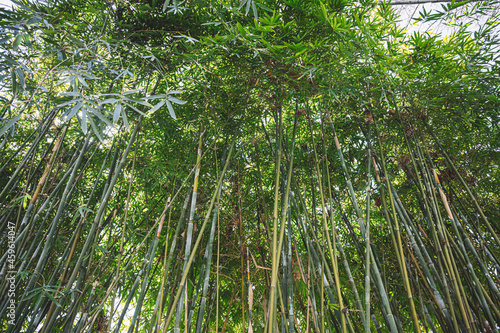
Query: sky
{"points": [[407, 12], [5, 3]]}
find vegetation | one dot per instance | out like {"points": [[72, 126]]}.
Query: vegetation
{"points": [[273, 166]]}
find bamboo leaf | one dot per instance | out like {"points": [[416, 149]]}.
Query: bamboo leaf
{"points": [[135, 100], [155, 96], [34, 20], [71, 93], [117, 112], [84, 121], [135, 109], [124, 117], [52, 299], [165, 5], [9, 124], [95, 130], [82, 81], [133, 91], [110, 100], [73, 101], [170, 109], [17, 41], [156, 107], [99, 115], [71, 112], [20, 76], [176, 100]]}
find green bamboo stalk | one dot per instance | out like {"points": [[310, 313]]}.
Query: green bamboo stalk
{"points": [[443, 250], [208, 261], [404, 272], [305, 234], [25, 226], [322, 300], [456, 224], [83, 217], [161, 295], [129, 299], [291, 313], [23, 234], [284, 217], [440, 251], [275, 261], [140, 299], [367, 236], [195, 247], [379, 283], [50, 200], [319, 264], [484, 269], [283, 289], [18, 150], [189, 233], [97, 220], [55, 272], [173, 245], [139, 246], [70, 249], [122, 238], [34, 146], [419, 249], [469, 192], [241, 242], [331, 248], [67, 174], [313, 300], [449, 264], [334, 243], [341, 251], [158, 308], [217, 278], [325, 275], [48, 243]]}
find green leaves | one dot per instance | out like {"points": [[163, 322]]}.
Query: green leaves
{"points": [[245, 67], [23, 199], [493, 98], [249, 4], [10, 124], [17, 41], [166, 99], [82, 106], [117, 112]]}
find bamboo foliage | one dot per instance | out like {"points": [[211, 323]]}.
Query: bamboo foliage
{"points": [[203, 167]]}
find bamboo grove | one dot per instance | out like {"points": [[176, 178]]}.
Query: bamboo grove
{"points": [[248, 167]]}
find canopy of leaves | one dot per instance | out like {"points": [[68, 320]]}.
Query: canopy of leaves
{"points": [[264, 165]]}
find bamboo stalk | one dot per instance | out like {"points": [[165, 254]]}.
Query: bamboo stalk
{"points": [[208, 260], [274, 272], [47, 246], [148, 269], [198, 240], [189, 233], [469, 192], [379, 283], [416, 324], [367, 236], [122, 238], [98, 219]]}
